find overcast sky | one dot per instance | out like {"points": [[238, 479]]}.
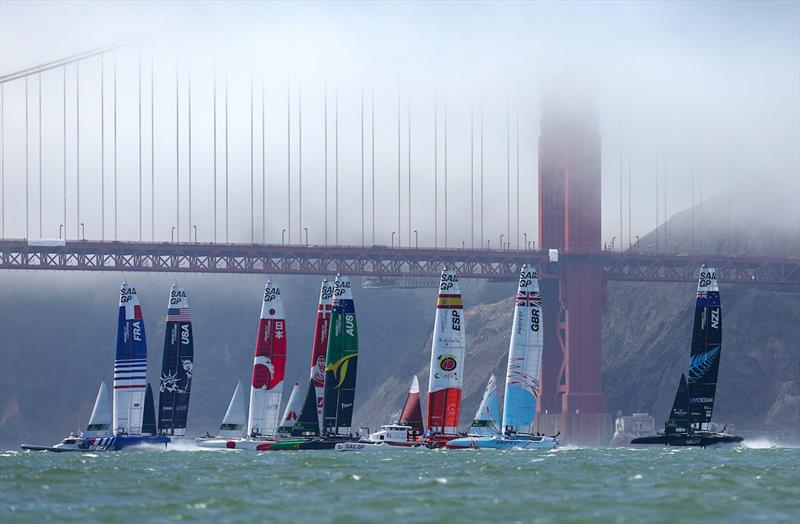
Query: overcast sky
{"points": [[704, 88]]}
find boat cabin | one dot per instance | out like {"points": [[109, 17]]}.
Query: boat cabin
{"points": [[392, 433]]}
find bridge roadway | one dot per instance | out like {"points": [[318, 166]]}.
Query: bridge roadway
{"points": [[16, 254]]}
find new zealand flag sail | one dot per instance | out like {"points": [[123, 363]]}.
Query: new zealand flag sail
{"points": [[176, 365], [706, 349]]}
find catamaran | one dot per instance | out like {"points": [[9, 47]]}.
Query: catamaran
{"points": [[132, 418], [690, 417], [447, 362], [176, 365], [405, 434], [266, 387], [523, 375], [340, 376], [234, 424]]}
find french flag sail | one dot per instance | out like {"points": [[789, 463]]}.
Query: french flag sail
{"points": [[447, 358], [310, 419], [176, 365], [269, 365], [523, 374], [130, 365]]}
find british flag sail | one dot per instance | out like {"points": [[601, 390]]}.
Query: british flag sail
{"points": [[130, 364], [706, 349], [310, 419], [176, 365], [269, 365], [523, 373], [447, 357]]}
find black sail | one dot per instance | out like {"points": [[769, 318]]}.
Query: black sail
{"points": [[307, 423], [706, 349], [176, 366], [679, 416], [149, 416]]}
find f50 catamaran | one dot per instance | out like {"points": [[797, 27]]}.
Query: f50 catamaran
{"points": [[523, 375], [176, 365], [132, 414], [690, 418]]}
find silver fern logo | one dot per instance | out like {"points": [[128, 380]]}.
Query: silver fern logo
{"points": [[700, 364]]}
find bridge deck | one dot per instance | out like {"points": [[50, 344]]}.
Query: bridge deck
{"points": [[18, 254]]}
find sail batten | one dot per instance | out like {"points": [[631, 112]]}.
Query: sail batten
{"points": [[341, 362], [269, 365], [130, 365], [176, 365], [309, 421], [706, 350], [523, 373], [447, 357]]}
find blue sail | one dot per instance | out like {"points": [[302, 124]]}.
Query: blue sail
{"points": [[130, 365]]}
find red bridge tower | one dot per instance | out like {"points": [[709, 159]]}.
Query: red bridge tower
{"points": [[572, 399]]}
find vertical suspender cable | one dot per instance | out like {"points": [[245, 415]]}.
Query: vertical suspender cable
{"points": [[398, 165], [2, 163], [263, 166], [481, 173], [289, 158], [620, 183], [508, 171], [65, 150], [252, 172], [214, 169], [227, 231], [189, 144], [629, 188], [177, 154], [445, 171], [372, 149], [362, 163], [140, 143], [152, 149], [27, 235], [300, 162], [40, 155], [102, 149], [409, 171], [115, 147], [471, 174], [657, 200], [78, 140], [435, 168], [325, 161], [336, 147], [666, 244], [517, 164]]}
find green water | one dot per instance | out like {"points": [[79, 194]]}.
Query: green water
{"points": [[566, 485]]}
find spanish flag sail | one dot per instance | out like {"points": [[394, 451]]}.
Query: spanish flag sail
{"points": [[447, 357], [341, 361], [269, 364]]}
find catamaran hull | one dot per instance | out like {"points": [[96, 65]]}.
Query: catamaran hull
{"points": [[380, 446], [693, 439], [105, 444], [502, 443], [235, 443], [308, 444]]}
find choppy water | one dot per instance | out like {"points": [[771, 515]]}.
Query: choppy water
{"points": [[566, 485]]}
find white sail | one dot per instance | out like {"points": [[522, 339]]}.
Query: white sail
{"points": [[523, 374], [100, 421], [447, 357], [486, 418], [268, 365], [236, 417], [292, 410]]}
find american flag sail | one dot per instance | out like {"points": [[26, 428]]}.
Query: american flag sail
{"points": [[177, 365]]}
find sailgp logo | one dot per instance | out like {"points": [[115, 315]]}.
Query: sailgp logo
{"points": [[702, 363]]}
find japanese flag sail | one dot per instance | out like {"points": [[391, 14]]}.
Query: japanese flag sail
{"points": [[310, 419], [130, 364], [523, 374], [447, 357], [269, 364]]}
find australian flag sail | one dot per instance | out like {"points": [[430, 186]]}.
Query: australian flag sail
{"points": [[176, 365], [706, 349], [130, 365], [341, 361]]}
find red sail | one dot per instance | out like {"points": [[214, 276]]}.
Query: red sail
{"points": [[412, 411], [444, 408]]}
